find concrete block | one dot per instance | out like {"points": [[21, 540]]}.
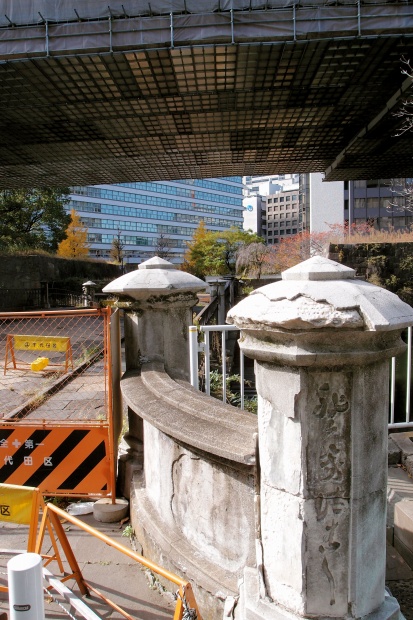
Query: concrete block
{"points": [[403, 530], [405, 443], [408, 463], [394, 452]]}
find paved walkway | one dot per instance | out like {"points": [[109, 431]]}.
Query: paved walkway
{"points": [[398, 574], [118, 577]]}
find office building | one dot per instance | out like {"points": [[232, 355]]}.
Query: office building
{"points": [[273, 203], [296, 203], [148, 215]]}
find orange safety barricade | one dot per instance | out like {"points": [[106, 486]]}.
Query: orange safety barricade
{"points": [[185, 597]]}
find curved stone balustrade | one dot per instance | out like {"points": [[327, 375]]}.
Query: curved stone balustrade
{"points": [[194, 505], [188, 416]]}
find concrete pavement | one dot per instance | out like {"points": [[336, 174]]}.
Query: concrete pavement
{"points": [[118, 577]]}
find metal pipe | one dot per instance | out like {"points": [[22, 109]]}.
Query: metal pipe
{"points": [[112, 543], [242, 380], [392, 389], [110, 33], [219, 328], [224, 367], [207, 363], [409, 373], [193, 356], [172, 29]]}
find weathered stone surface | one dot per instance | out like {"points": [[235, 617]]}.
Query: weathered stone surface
{"points": [[321, 341], [394, 452], [153, 278], [190, 416], [404, 441], [303, 303]]}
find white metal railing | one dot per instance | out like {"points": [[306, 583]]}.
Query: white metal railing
{"points": [[408, 423], [196, 347]]}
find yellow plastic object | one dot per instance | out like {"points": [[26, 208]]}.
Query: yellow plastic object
{"points": [[39, 363], [18, 504]]}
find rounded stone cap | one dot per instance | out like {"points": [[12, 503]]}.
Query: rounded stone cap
{"points": [[320, 293], [154, 277], [318, 268]]}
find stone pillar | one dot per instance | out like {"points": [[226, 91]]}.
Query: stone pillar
{"points": [[322, 342], [157, 300]]}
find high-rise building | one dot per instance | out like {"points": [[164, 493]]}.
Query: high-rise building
{"points": [[274, 204], [295, 203], [146, 216], [380, 202]]}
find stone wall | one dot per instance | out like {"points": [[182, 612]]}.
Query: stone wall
{"points": [[28, 272], [386, 264]]}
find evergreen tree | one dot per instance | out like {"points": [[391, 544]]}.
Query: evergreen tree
{"points": [[33, 218]]}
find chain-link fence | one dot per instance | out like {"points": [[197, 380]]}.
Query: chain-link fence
{"points": [[42, 352]]}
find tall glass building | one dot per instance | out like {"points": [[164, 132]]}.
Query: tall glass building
{"points": [[145, 216]]}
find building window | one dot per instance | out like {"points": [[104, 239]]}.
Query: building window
{"points": [[359, 203], [282, 199], [373, 203]]}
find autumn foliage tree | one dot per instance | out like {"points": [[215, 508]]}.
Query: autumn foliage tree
{"points": [[294, 249], [75, 245], [214, 252]]}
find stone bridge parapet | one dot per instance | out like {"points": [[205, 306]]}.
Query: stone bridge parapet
{"points": [[292, 526]]}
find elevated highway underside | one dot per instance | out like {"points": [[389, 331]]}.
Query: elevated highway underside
{"points": [[169, 90]]}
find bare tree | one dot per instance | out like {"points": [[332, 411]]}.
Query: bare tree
{"points": [[402, 189], [402, 195], [251, 258], [163, 247], [116, 251]]}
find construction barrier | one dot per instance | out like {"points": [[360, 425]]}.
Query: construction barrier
{"points": [[21, 505], [58, 432], [186, 606], [48, 344], [73, 458]]}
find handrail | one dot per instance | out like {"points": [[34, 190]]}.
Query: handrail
{"points": [[408, 423], [204, 347]]}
